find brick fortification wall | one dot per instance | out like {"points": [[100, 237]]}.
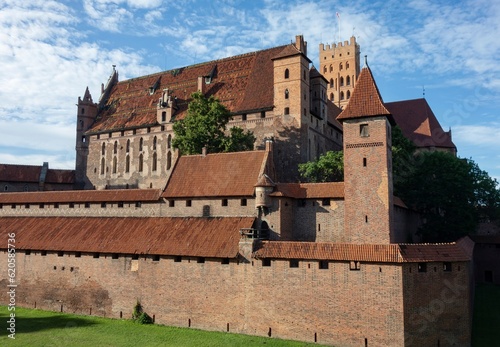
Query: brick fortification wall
{"points": [[335, 305]]}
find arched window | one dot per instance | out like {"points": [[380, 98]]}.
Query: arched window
{"points": [[331, 67], [141, 142], [340, 66], [141, 160], [103, 150], [169, 160], [331, 83], [114, 164], [155, 160], [154, 143], [286, 94], [169, 141], [115, 147], [127, 163], [304, 75], [287, 73], [348, 94], [346, 65], [331, 96], [341, 81], [341, 95], [324, 69], [103, 164], [128, 145], [348, 80]]}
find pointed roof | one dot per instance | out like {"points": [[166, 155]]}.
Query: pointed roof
{"points": [[365, 100], [290, 51]]}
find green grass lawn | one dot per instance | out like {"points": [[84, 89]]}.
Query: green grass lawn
{"points": [[486, 322], [42, 328]]}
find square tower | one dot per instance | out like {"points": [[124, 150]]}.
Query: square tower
{"points": [[367, 165]]}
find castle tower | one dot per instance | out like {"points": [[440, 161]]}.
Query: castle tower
{"points": [[339, 64], [367, 165], [86, 113]]}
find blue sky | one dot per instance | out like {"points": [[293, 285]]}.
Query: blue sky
{"points": [[50, 51]]}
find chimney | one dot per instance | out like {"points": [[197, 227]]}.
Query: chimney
{"points": [[201, 84], [300, 44], [204, 151], [269, 145]]}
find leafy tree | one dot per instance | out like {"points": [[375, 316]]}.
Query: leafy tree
{"points": [[205, 125], [328, 168]]}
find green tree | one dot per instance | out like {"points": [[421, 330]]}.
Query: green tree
{"points": [[205, 125], [329, 167]]}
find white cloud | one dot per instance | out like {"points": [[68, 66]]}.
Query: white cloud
{"points": [[478, 136]]}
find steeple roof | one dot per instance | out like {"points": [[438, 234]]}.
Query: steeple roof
{"points": [[365, 100]]}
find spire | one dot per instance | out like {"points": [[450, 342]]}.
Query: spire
{"points": [[365, 100]]}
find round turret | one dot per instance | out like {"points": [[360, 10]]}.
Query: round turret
{"points": [[263, 188]]}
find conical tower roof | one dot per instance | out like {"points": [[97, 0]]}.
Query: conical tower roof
{"points": [[365, 100]]}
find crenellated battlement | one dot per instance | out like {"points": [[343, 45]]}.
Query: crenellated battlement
{"points": [[328, 47]]}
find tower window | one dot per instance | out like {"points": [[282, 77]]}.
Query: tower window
{"points": [[363, 130], [115, 147], [364, 162], [348, 80], [341, 81], [331, 83], [128, 146], [286, 110], [331, 68], [164, 116], [287, 73], [324, 68], [348, 94], [286, 93], [141, 142], [103, 149]]}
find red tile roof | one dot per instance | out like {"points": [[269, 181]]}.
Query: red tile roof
{"points": [[310, 190], [388, 253], [419, 124], [201, 237], [242, 83], [216, 175], [115, 195], [31, 174], [365, 99]]}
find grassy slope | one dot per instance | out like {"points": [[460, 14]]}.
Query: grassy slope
{"points": [[486, 321], [41, 328]]}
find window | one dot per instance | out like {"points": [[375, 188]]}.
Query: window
{"points": [[325, 202], [141, 158], [169, 141], [286, 110], [287, 73], [114, 256], [56, 205], [103, 164], [114, 164], [341, 95], [169, 160], [263, 114], [103, 205], [127, 163], [115, 147], [78, 254], [224, 202], [171, 203], [354, 265], [141, 143], [26, 205], [323, 264], [71, 205], [301, 203], [340, 66], [60, 254], [138, 204], [120, 204], [286, 93], [363, 130], [200, 260], [155, 161], [294, 263], [156, 257], [341, 81], [243, 202], [128, 146], [154, 143], [164, 116], [87, 205], [27, 252], [422, 267], [331, 83], [266, 262], [364, 162], [188, 203], [103, 149], [331, 68], [224, 261], [177, 259], [447, 266], [95, 255], [331, 97], [348, 94], [324, 68], [43, 253], [243, 117], [348, 80]]}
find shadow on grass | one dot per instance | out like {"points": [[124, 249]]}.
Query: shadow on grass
{"points": [[26, 324]]}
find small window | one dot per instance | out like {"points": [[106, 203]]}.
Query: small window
{"points": [[364, 162], [171, 203], [96, 255], [294, 263], [164, 116], [43, 253], [188, 203], [26, 205], [135, 256], [141, 162], [156, 257], [87, 205], [78, 254], [103, 205], [363, 130], [422, 267], [200, 260], [287, 94], [325, 202], [60, 254], [447, 266], [266, 262], [286, 110], [177, 259], [354, 265], [243, 117], [243, 202], [301, 202], [114, 256], [138, 204], [263, 114], [120, 204], [323, 264], [225, 261], [224, 202], [13, 206], [56, 205], [27, 252]]}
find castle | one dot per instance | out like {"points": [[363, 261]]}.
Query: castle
{"points": [[231, 241]]}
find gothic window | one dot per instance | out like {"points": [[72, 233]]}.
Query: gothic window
{"points": [[141, 142], [331, 83], [324, 69], [114, 164], [169, 160], [169, 141], [363, 130], [348, 94], [103, 164], [127, 163], [341, 81], [115, 147], [128, 146], [340, 66], [103, 150], [155, 159], [286, 93], [141, 159], [341, 95], [154, 143], [287, 73], [331, 68], [331, 97], [348, 80], [347, 65]]}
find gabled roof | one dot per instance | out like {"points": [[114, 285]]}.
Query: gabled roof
{"points": [[419, 124], [384, 253], [216, 175], [242, 83], [77, 196], [31, 174], [289, 51], [310, 190], [201, 237], [365, 100]]}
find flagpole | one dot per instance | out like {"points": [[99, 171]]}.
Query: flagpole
{"points": [[338, 16]]}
